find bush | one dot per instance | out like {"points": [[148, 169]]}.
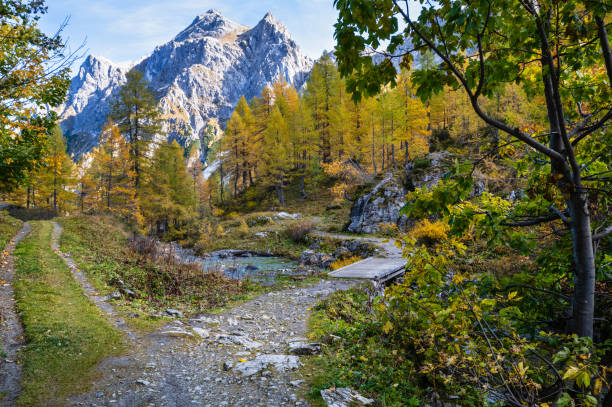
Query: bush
{"points": [[440, 140], [259, 220], [388, 229], [345, 262], [243, 228], [218, 212], [421, 163], [298, 231], [232, 215], [429, 233]]}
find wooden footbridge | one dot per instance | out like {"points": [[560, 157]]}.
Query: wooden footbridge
{"points": [[373, 268], [387, 266]]}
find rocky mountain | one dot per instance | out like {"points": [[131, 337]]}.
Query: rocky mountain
{"points": [[197, 77]]}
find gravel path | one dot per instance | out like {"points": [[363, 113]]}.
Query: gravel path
{"points": [[237, 358], [11, 330]]}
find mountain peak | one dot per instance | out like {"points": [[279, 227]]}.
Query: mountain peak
{"points": [[270, 23], [270, 17], [210, 24]]}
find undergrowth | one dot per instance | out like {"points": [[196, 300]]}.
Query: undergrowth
{"points": [[8, 227], [101, 248], [355, 354]]}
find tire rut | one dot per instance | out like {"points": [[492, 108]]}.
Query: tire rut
{"points": [[11, 328]]}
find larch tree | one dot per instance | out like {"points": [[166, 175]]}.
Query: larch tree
{"points": [[275, 156], [170, 201], [136, 113], [54, 181]]}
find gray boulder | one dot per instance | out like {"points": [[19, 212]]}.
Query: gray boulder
{"points": [[312, 258], [303, 348], [281, 363], [344, 397]]}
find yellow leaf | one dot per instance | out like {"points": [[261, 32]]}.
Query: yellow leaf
{"points": [[242, 360], [512, 295], [363, 358], [571, 373], [522, 369], [597, 387]]}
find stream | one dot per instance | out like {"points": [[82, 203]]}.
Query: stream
{"points": [[238, 264]]}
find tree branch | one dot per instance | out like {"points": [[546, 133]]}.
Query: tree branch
{"points": [[604, 233], [474, 100], [605, 46]]}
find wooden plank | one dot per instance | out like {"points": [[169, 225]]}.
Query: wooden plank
{"points": [[372, 268]]}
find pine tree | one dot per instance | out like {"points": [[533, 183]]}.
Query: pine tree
{"points": [[136, 113]]}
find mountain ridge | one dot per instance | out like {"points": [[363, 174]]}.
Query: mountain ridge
{"points": [[198, 76]]}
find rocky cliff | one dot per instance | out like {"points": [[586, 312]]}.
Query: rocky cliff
{"points": [[383, 203], [197, 76]]}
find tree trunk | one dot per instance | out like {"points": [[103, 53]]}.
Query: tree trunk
{"points": [[373, 149], [584, 279], [303, 187], [221, 182], [110, 184], [280, 195], [55, 191]]}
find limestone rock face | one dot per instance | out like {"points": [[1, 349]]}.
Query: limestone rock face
{"points": [[197, 77], [383, 203], [88, 103]]}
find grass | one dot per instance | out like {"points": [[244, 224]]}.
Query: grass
{"points": [[8, 227], [277, 240], [66, 334]]}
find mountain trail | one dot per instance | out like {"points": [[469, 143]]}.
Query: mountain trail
{"points": [[245, 356], [11, 329], [237, 358], [388, 245]]}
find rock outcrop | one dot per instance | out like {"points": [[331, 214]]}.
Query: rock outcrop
{"points": [[197, 77], [383, 203]]}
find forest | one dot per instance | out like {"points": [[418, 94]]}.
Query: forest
{"points": [[491, 118]]}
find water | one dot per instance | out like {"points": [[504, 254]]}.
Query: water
{"points": [[258, 268], [263, 269]]}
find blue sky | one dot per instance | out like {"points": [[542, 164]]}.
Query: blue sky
{"points": [[126, 30]]}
